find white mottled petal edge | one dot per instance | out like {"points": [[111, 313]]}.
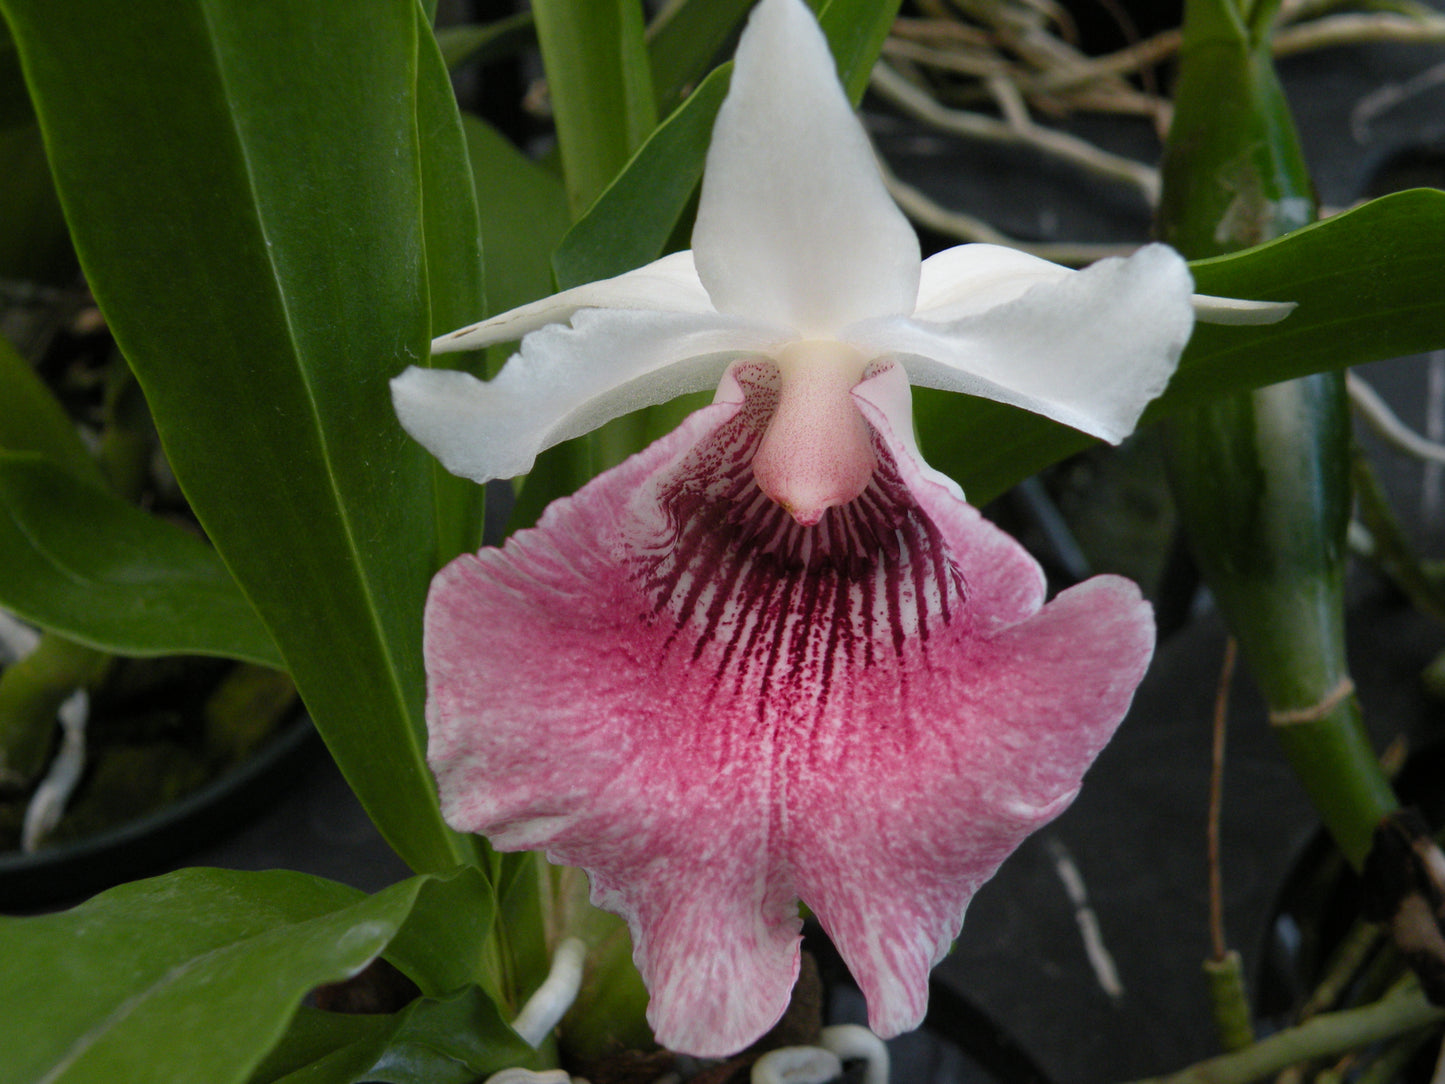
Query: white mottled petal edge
{"points": [[666, 285]]}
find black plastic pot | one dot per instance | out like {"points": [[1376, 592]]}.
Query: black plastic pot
{"points": [[1319, 906], [69, 872]]}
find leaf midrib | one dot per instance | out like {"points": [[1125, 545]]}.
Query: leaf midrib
{"points": [[127, 1008], [393, 681]]}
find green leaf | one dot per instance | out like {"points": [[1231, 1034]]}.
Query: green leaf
{"points": [[482, 42], [1262, 480], [1233, 172], [524, 216], [34, 245], [600, 88], [32, 419], [249, 216], [456, 283], [856, 30], [682, 41], [631, 222], [1370, 284], [453, 1040], [189, 977], [15, 108], [313, 1036], [442, 945], [78, 560]]}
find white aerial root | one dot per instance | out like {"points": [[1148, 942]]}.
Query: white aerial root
{"points": [[1023, 58], [543, 1011], [797, 1065], [1016, 127], [554, 997], [1106, 973], [965, 227], [824, 1062], [1379, 417], [852, 1042], [1387, 97], [790, 1065], [47, 804], [530, 1076], [17, 639], [1353, 28]]}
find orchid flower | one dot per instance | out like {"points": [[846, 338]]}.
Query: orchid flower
{"points": [[774, 656]]}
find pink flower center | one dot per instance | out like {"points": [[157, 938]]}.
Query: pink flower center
{"points": [[817, 452]]}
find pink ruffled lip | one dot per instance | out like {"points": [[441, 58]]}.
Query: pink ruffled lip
{"points": [[717, 710], [774, 656]]}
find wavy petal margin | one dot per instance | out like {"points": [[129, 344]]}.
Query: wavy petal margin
{"points": [[666, 285], [567, 380], [970, 279], [1090, 349], [733, 712]]}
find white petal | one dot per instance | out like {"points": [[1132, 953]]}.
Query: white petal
{"points": [[1232, 310], [970, 279], [666, 285], [794, 225], [566, 381], [887, 399], [1090, 349]]}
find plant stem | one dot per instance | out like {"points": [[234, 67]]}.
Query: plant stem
{"points": [[1228, 1001], [1216, 803], [1332, 756], [1225, 972], [1393, 551], [1262, 480], [1324, 1036], [1392, 1061], [1358, 945]]}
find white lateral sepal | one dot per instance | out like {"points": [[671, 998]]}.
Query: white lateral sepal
{"points": [[1233, 310]]}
